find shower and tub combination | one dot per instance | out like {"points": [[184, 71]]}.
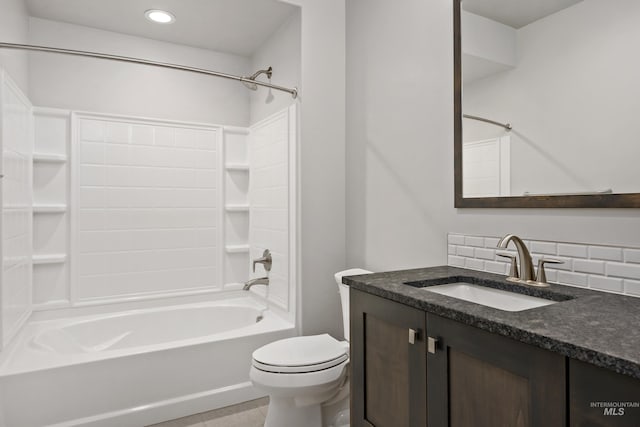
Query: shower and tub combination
{"points": [[135, 364], [126, 244]]}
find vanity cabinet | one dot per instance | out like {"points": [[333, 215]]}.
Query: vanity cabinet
{"points": [[600, 397], [388, 363], [480, 379], [472, 379]]}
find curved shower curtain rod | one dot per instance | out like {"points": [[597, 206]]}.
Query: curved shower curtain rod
{"points": [[246, 80], [507, 126]]}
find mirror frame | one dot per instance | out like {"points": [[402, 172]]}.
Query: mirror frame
{"points": [[626, 200]]}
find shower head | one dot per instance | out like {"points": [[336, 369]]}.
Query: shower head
{"points": [[253, 86]]}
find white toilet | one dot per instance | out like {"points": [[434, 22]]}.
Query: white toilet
{"points": [[306, 378]]}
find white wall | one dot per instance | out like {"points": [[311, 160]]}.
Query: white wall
{"points": [[14, 28], [488, 39], [321, 164], [112, 87], [572, 99], [400, 148], [488, 47], [399, 132], [282, 52]]}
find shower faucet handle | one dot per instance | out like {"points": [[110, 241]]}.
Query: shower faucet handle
{"points": [[265, 260]]}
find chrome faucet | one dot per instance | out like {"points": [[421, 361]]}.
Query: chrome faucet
{"points": [[526, 263], [524, 257], [258, 281]]}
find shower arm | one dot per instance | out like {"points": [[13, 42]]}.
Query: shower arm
{"points": [[3, 45]]}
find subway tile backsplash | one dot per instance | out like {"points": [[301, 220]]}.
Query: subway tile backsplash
{"points": [[603, 268]]}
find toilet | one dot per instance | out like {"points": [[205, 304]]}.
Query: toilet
{"points": [[307, 378]]}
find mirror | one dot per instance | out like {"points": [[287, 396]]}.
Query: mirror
{"points": [[547, 100]]}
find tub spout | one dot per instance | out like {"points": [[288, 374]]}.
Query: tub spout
{"points": [[258, 281]]}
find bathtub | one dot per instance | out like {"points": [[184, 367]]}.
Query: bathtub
{"points": [[134, 365]]}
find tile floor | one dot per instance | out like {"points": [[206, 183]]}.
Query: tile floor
{"points": [[248, 414]]}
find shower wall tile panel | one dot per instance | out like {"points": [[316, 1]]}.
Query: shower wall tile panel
{"points": [[147, 196], [17, 151], [600, 267], [269, 194]]}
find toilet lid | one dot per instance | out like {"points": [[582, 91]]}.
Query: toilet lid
{"points": [[301, 354]]}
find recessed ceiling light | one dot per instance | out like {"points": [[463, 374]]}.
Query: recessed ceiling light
{"points": [[159, 16]]}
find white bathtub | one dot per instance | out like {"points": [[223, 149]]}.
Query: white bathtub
{"points": [[134, 367]]}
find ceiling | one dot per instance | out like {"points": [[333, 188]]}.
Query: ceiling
{"points": [[516, 13], [232, 26]]}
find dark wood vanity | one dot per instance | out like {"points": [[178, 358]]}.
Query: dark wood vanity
{"points": [[470, 377]]}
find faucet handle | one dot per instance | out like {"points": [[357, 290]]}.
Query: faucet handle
{"points": [[513, 272], [541, 277], [265, 260]]}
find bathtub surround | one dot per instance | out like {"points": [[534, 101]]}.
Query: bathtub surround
{"points": [[16, 228], [598, 267], [138, 209], [147, 206], [129, 207], [272, 187]]}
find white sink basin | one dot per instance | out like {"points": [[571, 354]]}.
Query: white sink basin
{"points": [[502, 300]]}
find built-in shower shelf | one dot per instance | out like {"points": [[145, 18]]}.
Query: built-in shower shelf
{"points": [[237, 208], [49, 209], [49, 158], [50, 259], [236, 249], [237, 166]]}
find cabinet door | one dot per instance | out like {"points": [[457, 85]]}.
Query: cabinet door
{"points": [[601, 398], [388, 363], [479, 379]]}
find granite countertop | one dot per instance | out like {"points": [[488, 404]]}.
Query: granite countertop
{"points": [[591, 326]]}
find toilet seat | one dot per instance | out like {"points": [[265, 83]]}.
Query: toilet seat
{"points": [[301, 354], [299, 369]]}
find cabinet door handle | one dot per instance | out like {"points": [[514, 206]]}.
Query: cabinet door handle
{"points": [[413, 336], [432, 344]]}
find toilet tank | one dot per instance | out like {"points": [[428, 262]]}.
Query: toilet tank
{"points": [[344, 295]]}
